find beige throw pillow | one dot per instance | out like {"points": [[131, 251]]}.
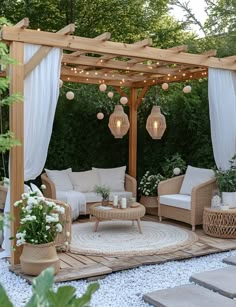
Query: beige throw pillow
{"points": [[84, 181], [60, 179], [195, 176], [114, 178]]}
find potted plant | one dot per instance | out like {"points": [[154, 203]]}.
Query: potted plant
{"points": [[104, 191], [226, 181], [39, 226], [148, 188]]}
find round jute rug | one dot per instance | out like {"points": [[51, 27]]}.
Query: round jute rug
{"points": [[121, 238]]}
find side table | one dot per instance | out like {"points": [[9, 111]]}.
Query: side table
{"points": [[220, 223]]}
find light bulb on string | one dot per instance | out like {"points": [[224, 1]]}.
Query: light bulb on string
{"points": [[70, 95], [165, 86], [60, 83], [102, 87], [123, 100], [100, 115], [187, 89], [110, 94]]}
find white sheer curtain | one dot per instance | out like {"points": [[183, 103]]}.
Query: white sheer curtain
{"points": [[222, 107], [41, 91]]}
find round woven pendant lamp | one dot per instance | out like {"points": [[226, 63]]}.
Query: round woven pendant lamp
{"points": [[118, 122], [156, 123]]}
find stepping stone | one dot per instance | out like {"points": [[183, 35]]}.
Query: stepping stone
{"points": [[221, 280], [187, 296], [230, 260]]}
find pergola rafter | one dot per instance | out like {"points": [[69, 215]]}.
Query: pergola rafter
{"points": [[135, 66]]}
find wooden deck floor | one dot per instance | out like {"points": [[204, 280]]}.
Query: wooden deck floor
{"points": [[74, 266]]}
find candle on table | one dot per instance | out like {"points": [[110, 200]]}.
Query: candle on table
{"points": [[123, 203], [115, 200]]}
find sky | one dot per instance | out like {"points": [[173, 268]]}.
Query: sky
{"points": [[198, 9]]}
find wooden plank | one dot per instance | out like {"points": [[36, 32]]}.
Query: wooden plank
{"points": [[103, 37], [119, 49], [121, 92], [119, 265], [141, 96], [64, 265], [119, 65], [133, 118], [70, 260], [153, 259], [16, 153], [44, 50], [81, 258], [68, 274], [23, 24]]}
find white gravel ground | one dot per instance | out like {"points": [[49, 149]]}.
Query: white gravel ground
{"points": [[124, 288]]}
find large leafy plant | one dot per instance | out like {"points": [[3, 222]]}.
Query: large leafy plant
{"points": [[43, 294], [226, 180]]}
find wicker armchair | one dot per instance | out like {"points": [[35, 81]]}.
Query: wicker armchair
{"points": [[200, 197]]}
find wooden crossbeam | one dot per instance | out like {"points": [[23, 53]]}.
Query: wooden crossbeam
{"points": [[120, 91], [103, 37], [143, 43], [209, 53], [44, 50], [175, 78], [119, 49], [141, 96], [79, 79], [23, 24], [181, 48], [115, 64], [95, 75]]}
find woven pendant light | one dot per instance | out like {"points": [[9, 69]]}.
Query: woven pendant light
{"points": [[118, 122], [156, 123]]}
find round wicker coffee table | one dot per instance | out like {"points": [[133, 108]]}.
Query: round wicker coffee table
{"points": [[132, 214], [220, 223]]}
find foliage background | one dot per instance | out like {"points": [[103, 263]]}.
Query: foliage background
{"points": [[79, 139]]}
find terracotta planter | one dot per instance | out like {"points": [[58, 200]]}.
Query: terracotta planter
{"points": [[37, 257]]}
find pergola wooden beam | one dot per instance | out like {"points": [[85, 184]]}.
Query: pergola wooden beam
{"points": [[119, 49], [103, 37], [44, 50], [117, 65], [23, 24]]}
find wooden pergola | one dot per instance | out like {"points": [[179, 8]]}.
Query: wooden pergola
{"points": [[97, 60]]}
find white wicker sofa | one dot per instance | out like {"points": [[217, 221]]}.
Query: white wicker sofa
{"points": [[83, 184]]}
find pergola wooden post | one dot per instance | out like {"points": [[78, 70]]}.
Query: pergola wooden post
{"points": [[135, 66], [17, 127]]}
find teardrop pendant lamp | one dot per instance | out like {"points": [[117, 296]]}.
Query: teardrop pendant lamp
{"points": [[118, 122], [156, 123]]}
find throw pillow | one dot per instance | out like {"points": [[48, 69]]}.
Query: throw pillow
{"points": [[84, 181], [114, 178], [61, 179], [195, 176], [34, 188]]}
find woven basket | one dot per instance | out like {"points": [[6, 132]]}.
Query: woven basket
{"points": [[37, 257], [149, 201]]}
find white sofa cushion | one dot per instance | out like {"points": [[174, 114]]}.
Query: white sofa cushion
{"points": [[114, 178], [60, 179], [84, 181], [176, 200], [195, 176], [92, 197]]}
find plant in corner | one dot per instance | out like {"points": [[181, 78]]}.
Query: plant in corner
{"points": [[39, 226], [148, 188], [226, 181], [104, 191]]}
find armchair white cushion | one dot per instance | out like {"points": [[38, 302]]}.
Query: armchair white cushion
{"points": [[195, 176], [176, 200]]}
